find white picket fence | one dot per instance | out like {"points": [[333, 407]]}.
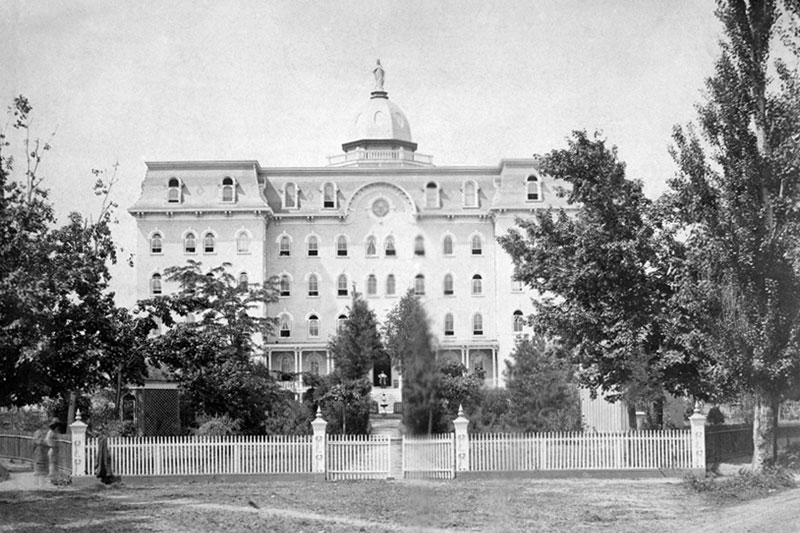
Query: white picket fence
{"points": [[642, 450], [358, 457], [429, 456], [161, 456]]}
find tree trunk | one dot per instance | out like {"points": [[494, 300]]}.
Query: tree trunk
{"points": [[73, 403], [764, 430]]}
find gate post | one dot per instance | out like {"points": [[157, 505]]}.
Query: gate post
{"points": [[698, 424], [462, 441], [78, 431], [318, 446]]}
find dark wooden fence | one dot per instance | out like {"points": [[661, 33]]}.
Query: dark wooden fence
{"points": [[727, 442]]}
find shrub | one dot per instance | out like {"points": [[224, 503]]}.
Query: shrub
{"points": [[790, 457], [217, 426], [745, 485], [715, 417]]}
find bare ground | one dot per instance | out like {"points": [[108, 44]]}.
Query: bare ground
{"points": [[391, 506]]}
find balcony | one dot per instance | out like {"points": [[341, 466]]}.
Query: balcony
{"points": [[380, 158]]}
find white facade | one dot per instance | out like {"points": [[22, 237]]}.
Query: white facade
{"points": [[323, 230]]}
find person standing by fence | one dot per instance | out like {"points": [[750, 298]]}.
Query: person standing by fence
{"points": [[51, 441], [40, 459]]}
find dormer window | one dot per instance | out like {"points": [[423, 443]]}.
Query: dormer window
{"points": [[329, 196], [174, 191], [470, 194], [228, 190], [534, 189], [155, 243], [432, 195], [290, 196]]}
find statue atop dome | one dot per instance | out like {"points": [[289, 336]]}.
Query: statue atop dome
{"points": [[380, 75]]}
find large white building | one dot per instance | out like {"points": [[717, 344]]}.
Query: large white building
{"points": [[379, 217]]}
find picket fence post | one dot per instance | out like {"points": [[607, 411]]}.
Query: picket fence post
{"points": [[78, 431], [319, 448], [698, 425], [462, 441]]}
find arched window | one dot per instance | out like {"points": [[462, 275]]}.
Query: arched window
{"points": [[519, 321], [477, 324], [155, 243], [533, 188], [243, 243], [209, 242], [155, 284], [470, 194], [477, 285], [340, 322], [190, 243], [174, 191], [449, 328], [431, 195], [243, 279], [329, 196], [287, 364], [286, 285], [388, 247], [448, 284], [314, 365], [341, 246], [372, 246], [447, 245], [313, 285], [290, 196], [419, 245], [228, 190], [419, 285], [285, 330], [341, 285], [372, 285], [313, 326], [477, 245], [285, 249], [390, 285], [313, 246]]}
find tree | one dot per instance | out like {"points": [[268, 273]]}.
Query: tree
{"points": [[458, 387], [602, 274], [210, 352], [736, 195], [410, 346], [345, 395], [542, 395], [60, 328]]}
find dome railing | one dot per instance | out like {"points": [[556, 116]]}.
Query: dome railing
{"points": [[381, 155]]}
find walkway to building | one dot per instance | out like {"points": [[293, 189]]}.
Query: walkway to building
{"points": [[390, 425]]}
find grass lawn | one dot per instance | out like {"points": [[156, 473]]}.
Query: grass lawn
{"points": [[378, 506]]}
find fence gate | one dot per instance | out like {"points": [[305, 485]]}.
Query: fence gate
{"points": [[429, 456], [358, 457]]}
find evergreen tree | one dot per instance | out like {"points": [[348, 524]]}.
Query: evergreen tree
{"points": [[542, 396], [410, 347]]}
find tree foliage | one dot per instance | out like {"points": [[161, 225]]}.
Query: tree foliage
{"points": [[737, 195], [599, 266], [210, 350], [542, 394], [410, 346], [61, 332]]}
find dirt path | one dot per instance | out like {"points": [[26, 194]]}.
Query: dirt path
{"points": [[777, 514]]}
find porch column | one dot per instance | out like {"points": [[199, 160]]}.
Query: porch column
{"points": [[327, 362], [269, 360], [299, 366], [495, 362], [464, 360]]}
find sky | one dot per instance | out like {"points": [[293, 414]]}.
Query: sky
{"points": [[280, 82]]}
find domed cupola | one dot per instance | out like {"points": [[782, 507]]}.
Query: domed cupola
{"points": [[380, 133]]}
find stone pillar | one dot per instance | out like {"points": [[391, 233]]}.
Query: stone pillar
{"points": [[318, 446], [640, 416], [78, 431], [698, 424], [462, 441]]}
